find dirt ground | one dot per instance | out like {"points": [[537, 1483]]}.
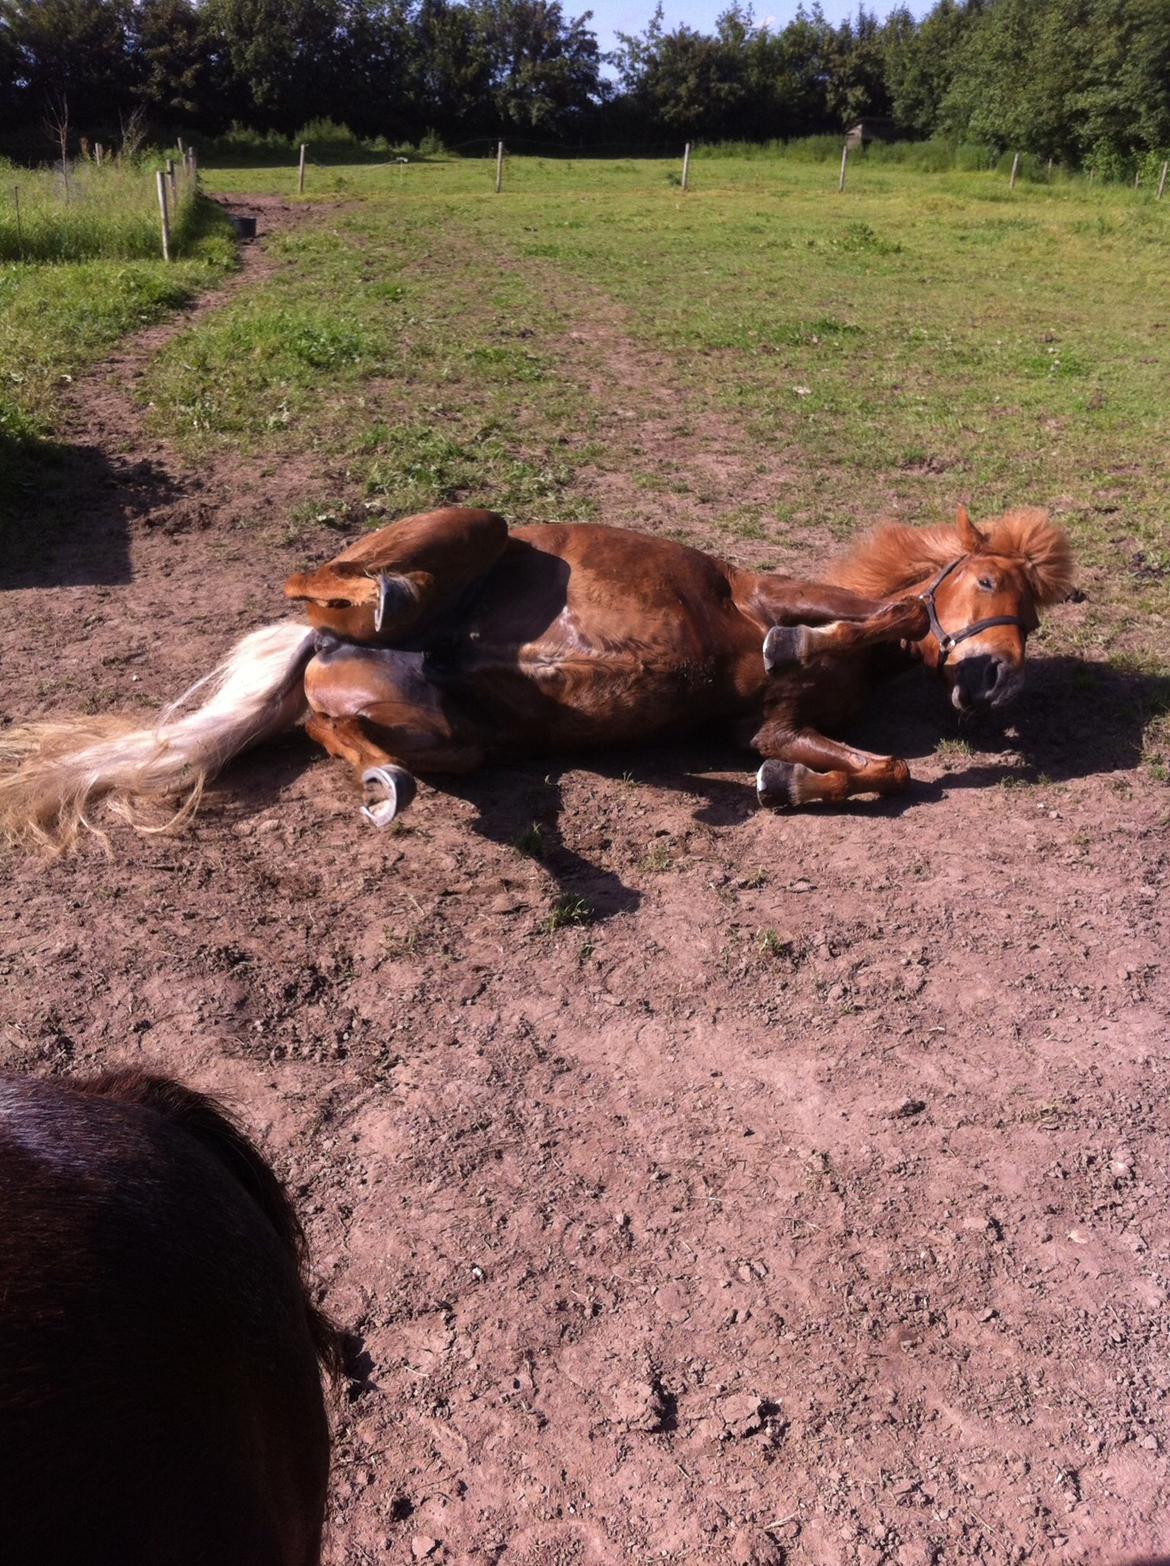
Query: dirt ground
{"points": [[807, 1205]]}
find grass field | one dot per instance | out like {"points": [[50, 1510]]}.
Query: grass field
{"points": [[921, 338], [80, 266]]}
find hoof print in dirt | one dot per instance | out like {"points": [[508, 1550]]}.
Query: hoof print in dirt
{"points": [[646, 1406]]}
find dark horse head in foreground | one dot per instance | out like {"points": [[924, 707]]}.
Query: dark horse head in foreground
{"points": [[443, 642], [160, 1391]]}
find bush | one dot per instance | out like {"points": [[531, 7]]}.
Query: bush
{"points": [[327, 138]]}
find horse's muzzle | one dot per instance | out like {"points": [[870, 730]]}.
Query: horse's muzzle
{"points": [[984, 681]]}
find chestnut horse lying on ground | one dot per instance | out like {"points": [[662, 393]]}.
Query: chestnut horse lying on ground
{"points": [[443, 641], [160, 1396]]}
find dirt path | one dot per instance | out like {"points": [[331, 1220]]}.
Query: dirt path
{"points": [[808, 1204]]}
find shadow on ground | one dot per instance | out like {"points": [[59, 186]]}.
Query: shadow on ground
{"points": [[66, 513], [1075, 719]]}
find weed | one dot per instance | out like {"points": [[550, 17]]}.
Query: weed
{"points": [[568, 910], [530, 843], [770, 944], [954, 747], [656, 859]]}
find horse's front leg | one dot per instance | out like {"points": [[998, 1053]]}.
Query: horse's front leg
{"points": [[905, 620], [390, 788], [377, 710], [802, 766]]}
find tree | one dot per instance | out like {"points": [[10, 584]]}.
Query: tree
{"points": [[450, 69], [173, 62], [921, 62], [75, 51], [275, 60], [543, 67], [856, 70], [10, 85]]}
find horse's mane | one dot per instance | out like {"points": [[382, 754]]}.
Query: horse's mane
{"points": [[892, 557]]}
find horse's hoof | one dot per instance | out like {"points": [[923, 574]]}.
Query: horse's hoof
{"points": [[782, 784], [389, 790], [786, 644]]}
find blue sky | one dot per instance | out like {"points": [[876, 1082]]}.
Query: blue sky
{"points": [[631, 16]]}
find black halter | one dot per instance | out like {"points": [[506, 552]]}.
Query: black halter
{"points": [[949, 640]]}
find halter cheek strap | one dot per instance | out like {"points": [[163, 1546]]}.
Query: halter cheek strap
{"points": [[949, 640]]}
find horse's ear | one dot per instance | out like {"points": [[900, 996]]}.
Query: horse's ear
{"points": [[969, 535]]}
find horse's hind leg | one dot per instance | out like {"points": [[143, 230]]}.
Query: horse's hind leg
{"points": [[388, 584], [905, 620], [803, 766]]}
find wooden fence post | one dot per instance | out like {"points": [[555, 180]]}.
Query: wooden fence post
{"points": [[301, 173], [686, 164], [173, 180], [1162, 181], [1015, 171], [166, 222], [844, 166], [179, 144], [1091, 173], [1137, 179], [19, 235], [499, 166]]}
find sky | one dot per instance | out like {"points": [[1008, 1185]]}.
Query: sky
{"points": [[631, 16]]}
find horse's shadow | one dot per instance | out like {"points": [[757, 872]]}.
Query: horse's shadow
{"points": [[1075, 719], [519, 806], [66, 513]]}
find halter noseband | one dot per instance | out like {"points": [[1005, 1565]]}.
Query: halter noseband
{"points": [[949, 640]]}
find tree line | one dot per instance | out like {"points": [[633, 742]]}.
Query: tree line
{"points": [[1080, 81]]}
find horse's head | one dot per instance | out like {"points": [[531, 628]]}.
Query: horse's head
{"points": [[985, 601]]}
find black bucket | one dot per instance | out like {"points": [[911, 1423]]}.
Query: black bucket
{"points": [[245, 227]]}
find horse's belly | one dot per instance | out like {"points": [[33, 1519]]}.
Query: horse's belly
{"points": [[588, 701]]}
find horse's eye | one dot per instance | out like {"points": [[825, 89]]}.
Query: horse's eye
{"points": [[987, 584]]}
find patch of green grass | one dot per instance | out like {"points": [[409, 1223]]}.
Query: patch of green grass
{"points": [[954, 748], [1005, 345], [56, 319], [656, 859], [568, 910], [530, 843]]}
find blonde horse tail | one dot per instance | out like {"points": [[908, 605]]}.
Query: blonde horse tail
{"points": [[52, 774]]}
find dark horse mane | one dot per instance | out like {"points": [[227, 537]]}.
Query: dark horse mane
{"points": [[893, 557], [208, 1123]]}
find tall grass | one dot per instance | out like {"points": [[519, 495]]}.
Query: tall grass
{"points": [[938, 156], [89, 211]]}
